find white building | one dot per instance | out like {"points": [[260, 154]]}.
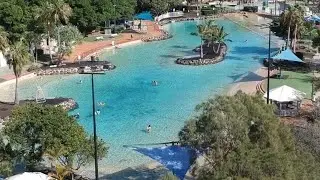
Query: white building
{"points": [[44, 45], [3, 61]]}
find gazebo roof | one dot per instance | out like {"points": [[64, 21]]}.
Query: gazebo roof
{"points": [[29, 176], [287, 55], [285, 94]]}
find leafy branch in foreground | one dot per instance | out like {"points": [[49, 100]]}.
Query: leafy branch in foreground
{"points": [[240, 137], [41, 131]]}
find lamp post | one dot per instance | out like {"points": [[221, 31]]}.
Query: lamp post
{"points": [[94, 125], [269, 62], [114, 16]]}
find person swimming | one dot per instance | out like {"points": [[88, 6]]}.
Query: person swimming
{"points": [[97, 112], [154, 83], [80, 82], [77, 116], [101, 104], [149, 128]]}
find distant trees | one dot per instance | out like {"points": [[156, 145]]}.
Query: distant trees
{"points": [[51, 14], [89, 15], [316, 40], [15, 17], [241, 138], [291, 25], [36, 131], [68, 36], [4, 42], [157, 7]]}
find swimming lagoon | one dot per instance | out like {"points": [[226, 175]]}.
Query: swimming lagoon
{"points": [[132, 102]]}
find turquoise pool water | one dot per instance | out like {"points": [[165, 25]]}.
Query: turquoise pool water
{"points": [[132, 102]]}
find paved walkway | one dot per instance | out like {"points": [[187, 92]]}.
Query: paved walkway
{"points": [[88, 48]]}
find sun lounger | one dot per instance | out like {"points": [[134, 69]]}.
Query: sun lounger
{"points": [[99, 38]]}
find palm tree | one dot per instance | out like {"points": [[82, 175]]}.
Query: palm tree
{"points": [[4, 42], [54, 12], [292, 23], [201, 31], [17, 57], [220, 38], [213, 34], [204, 30]]}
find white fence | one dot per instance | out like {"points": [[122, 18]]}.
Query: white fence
{"points": [[169, 15]]}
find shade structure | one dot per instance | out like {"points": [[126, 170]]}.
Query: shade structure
{"points": [[175, 158], [144, 16], [285, 94], [287, 55], [313, 18], [30, 176]]}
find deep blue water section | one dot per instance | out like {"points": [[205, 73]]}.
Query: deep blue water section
{"points": [[132, 102]]}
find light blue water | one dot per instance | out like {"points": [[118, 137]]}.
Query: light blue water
{"points": [[132, 103]]}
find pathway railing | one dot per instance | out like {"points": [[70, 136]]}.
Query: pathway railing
{"points": [[169, 15]]}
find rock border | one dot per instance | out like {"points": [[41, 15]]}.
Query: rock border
{"points": [[199, 62], [164, 36], [205, 61]]}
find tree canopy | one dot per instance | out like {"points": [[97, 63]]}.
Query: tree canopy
{"points": [[68, 36], [157, 7], [37, 131], [241, 137], [89, 15], [15, 17]]}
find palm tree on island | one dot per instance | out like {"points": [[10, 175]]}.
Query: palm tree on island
{"points": [[212, 35]]}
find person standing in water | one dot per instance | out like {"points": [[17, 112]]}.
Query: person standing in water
{"points": [[149, 128]]}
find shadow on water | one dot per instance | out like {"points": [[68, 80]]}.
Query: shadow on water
{"points": [[142, 172], [169, 56], [187, 52], [176, 158], [254, 58], [252, 49], [235, 77], [179, 47], [233, 57]]}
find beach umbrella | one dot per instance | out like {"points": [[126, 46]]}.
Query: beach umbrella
{"points": [[30, 176]]}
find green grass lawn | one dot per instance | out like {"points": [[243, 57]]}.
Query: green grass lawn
{"points": [[297, 80]]}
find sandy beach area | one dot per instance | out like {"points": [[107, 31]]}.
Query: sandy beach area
{"points": [[257, 24]]}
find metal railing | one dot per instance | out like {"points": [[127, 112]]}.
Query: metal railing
{"points": [[169, 15]]}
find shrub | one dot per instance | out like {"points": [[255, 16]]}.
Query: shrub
{"points": [[169, 176], [207, 11], [33, 68], [250, 8]]}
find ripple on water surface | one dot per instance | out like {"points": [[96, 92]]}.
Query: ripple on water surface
{"points": [[132, 102]]}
